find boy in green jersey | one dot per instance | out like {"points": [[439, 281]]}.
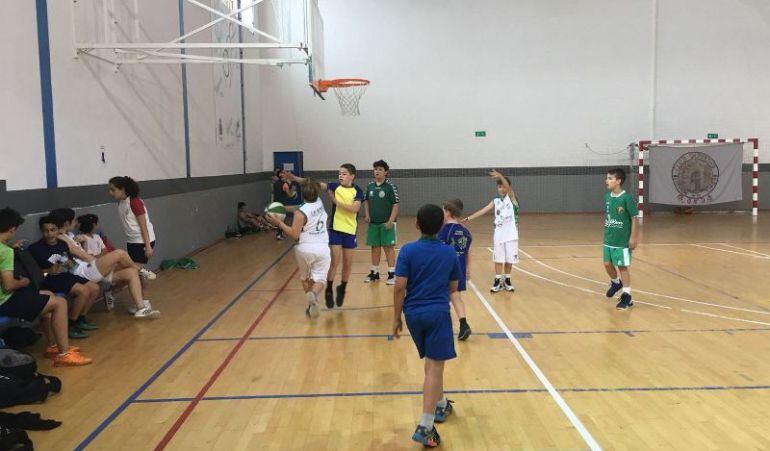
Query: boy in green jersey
{"points": [[620, 236], [381, 210]]}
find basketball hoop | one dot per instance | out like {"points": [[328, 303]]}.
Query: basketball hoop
{"points": [[347, 90]]}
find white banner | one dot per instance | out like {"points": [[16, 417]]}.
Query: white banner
{"points": [[695, 175]]}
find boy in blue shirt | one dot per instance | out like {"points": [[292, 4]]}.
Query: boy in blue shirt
{"points": [[457, 236], [427, 271]]}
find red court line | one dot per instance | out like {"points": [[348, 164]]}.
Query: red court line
{"points": [[183, 417]]}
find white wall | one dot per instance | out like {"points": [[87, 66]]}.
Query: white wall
{"points": [[21, 117], [135, 113], [543, 78]]}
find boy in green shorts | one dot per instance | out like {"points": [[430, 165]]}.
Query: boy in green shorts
{"points": [[380, 211], [620, 236]]}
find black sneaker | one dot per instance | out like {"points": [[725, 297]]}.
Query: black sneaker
{"points": [[508, 285], [614, 288], [371, 277], [625, 302], [497, 286], [465, 332], [391, 279], [428, 438], [329, 296], [340, 295]]}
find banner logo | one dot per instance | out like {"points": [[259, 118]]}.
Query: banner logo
{"points": [[695, 175]]}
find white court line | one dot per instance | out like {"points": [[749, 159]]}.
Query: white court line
{"points": [[725, 317], [747, 250], [695, 312], [674, 298], [731, 252], [587, 437]]}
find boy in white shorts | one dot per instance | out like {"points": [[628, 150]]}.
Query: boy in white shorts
{"points": [[506, 236], [312, 251]]}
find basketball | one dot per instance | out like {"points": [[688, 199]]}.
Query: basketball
{"points": [[278, 209]]}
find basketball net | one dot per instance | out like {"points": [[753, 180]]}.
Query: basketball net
{"points": [[348, 92]]}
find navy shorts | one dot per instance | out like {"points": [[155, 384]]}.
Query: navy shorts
{"points": [[25, 303], [136, 251], [346, 240], [61, 283], [432, 334]]}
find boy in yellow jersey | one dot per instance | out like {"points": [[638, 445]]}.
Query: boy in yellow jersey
{"points": [[346, 198]]}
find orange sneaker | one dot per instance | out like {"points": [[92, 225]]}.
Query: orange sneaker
{"points": [[71, 359], [53, 351]]}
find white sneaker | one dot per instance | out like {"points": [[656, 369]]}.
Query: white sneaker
{"points": [[132, 310], [147, 312], [312, 309], [147, 274]]}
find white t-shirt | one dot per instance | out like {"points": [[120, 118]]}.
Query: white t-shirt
{"points": [[94, 245], [129, 208], [314, 230], [505, 220]]}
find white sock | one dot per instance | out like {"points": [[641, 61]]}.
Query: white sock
{"points": [[376, 269], [627, 290], [392, 269], [498, 276], [442, 402], [426, 420], [507, 277], [616, 281]]}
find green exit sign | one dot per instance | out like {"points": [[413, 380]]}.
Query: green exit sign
{"points": [[481, 133], [712, 136]]}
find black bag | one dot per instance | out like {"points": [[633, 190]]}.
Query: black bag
{"points": [[17, 363], [19, 337], [14, 439], [26, 266], [15, 391]]}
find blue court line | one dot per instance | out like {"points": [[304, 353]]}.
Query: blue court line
{"points": [[460, 392], [131, 399], [300, 337], [495, 335], [347, 309]]}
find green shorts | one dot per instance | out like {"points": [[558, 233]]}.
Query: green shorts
{"points": [[618, 256], [377, 235]]}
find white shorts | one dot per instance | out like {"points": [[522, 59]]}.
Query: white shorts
{"points": [[507, 252], [313, 261], [88, 271]]}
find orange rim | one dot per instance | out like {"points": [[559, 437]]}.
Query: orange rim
{"points": [[324, 85]]}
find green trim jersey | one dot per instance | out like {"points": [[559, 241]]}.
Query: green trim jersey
{"points": [[619, 210], [381, 199]]}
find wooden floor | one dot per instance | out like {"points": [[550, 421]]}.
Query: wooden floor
{"points": [[235, 364]]}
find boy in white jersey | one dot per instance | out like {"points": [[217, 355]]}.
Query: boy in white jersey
{"points": [[312, 251], [506, 236]]}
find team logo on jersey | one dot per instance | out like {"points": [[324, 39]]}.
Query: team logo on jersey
{"points": [[382, 194], [620, 210], [695, 175]]}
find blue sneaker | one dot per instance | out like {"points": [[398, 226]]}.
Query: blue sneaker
{"points": [[441, 414], [625, 302], [428, 438], [614, 288]]}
